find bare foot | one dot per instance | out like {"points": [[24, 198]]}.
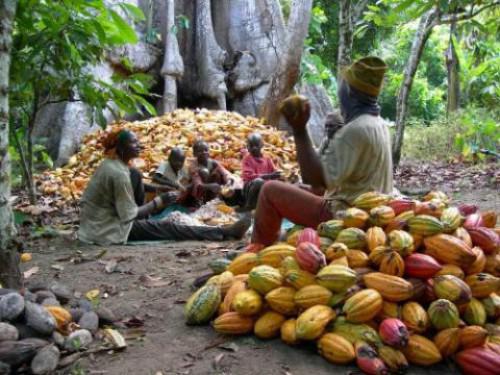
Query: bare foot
{"points": [[237, 230]]}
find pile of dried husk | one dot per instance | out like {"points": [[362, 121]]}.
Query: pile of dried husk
{"points": [[226, 133], [388, 283], [46, 328]]}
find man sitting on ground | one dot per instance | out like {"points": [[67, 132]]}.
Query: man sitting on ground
{"points": [[357, 160], [110, 215]]}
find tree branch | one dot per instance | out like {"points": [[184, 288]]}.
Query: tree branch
{"points": [[449, 18], [357, 10]]}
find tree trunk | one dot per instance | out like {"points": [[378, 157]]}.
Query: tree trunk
{"points": [[287, 73], [10, 275], [345, 36], [173, 67], [452, 65], [424, 30]]}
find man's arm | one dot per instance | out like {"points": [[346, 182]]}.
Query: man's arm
{"points": [[297, 111], [159, 179]]}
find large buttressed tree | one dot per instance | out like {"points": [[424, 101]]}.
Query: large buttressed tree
{"points": [[10, 275]]}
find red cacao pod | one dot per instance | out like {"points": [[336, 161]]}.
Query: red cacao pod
{"points": [[309, 257], [474, 220], [309, 235], [486, 238], [394, 332], [479, 360], [421, 266]]}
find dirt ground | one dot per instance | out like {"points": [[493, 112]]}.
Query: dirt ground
{"points": [[168, 346]]}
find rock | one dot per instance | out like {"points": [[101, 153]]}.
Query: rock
{"points": [[26, 332], [42, 295], [38, 287], [85, 304], [58, 339], [76, 313], [50, 302], [28, 296], [105, 315], [4, 291], [4, 368], [62, 292], [89, 321], [11, 306], [45, 360], [39, 319], [16, 353], [8, 332], [78, 340]]}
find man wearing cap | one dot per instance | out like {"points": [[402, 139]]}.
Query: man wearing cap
{"points": [[356, 160]]}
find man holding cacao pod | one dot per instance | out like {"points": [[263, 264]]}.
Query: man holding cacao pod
{"points": [[356, 160]]}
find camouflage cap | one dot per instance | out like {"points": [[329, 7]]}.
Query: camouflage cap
{"points": [[366, 75]]}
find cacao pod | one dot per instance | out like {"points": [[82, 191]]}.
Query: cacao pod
{"points": [[393, 332], [421, 351], [449, 249], [443, 314], [415, 317], [480, 360], [308, 235], [312, 322], [334, 348], [232, 323], [268, 325], [309, 257], [375, 236], [472, 336], [282, 300], [330, 228], [367, 201], [355, 218], [486, 238], [247, 303], [363, 306], [447, 341], [288, 335], [421, 266], [392, 288]]}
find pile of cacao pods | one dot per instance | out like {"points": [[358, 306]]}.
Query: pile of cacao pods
{"points": [[39, 335], [225, 132], [387, 283]]}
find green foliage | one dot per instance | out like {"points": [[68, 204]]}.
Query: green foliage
{"points": [[461, 136], [427, 99], [477, 130], [54, 45], [313, 68]]}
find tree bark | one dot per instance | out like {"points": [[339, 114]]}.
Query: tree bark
{"points": [[173, 67], [210, 56], [10, 275], [345, 36], [424, 30], [452, 65], [287, 73]]}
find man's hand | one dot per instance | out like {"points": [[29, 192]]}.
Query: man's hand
{"points": [[297, 110], [169, 197], [213, 187]]}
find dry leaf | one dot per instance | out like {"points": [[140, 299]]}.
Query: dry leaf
{"points": [[92, 294], [152, 282], [27, 274]]}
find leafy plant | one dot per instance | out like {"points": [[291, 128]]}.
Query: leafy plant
{"points": [[478, 130], [56, 44]]}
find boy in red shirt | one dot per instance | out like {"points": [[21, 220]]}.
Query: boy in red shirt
{"points": [[256, 169]]}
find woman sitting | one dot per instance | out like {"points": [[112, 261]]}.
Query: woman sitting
{"points": [[110, 215]]}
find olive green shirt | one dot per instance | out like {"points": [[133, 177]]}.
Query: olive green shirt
{"points": [[108, 207], [357, 160]]}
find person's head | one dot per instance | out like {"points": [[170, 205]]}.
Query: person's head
{"points": [[333, 122], [176, 159], [361, 84], [204, 174], [200, 151], [124, 143], [254, 145]]}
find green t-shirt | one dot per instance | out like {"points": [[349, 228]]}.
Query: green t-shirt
{"points": [[358, 160], [108, 207]]}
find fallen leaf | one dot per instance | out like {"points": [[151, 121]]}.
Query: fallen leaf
{"points": [[57, 267], [110, 266], [217, 360], [152, 282], [27, 274], [92, 294]]}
